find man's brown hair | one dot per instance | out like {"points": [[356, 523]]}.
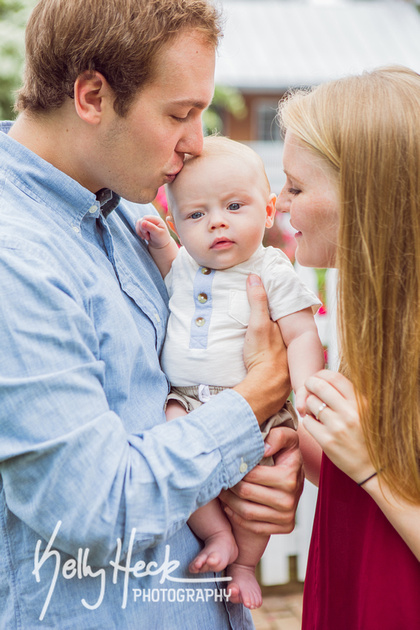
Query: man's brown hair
{"points": [[121, 39]]}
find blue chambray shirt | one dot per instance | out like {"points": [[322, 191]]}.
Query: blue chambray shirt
{"points": [[95, 487]]}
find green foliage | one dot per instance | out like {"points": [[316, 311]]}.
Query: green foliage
{"points": [[8, 7], [13, 17], [224, 99]]}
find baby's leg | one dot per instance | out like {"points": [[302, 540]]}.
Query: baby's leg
{"points": [[174, 410], [244, 587], [209, 523]]}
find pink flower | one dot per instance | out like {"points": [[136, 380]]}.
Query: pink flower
{"points": [[161, 201]]}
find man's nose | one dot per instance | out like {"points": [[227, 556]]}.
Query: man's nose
{"points": [[192, 141]]}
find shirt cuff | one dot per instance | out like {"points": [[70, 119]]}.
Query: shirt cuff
{"points": [[234, 428]]}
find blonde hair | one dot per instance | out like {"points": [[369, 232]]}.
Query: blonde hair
{"points": [[368, 130], [121, 39]]}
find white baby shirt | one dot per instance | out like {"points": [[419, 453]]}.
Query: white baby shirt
{"points": [[209, 314]]}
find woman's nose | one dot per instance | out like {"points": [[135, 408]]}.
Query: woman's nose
{"points": [[282, 204]]}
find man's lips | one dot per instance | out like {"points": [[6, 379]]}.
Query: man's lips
{"points": [[221, 243], [169, 177]]}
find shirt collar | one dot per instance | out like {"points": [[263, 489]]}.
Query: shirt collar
{"points": [[108, 201]]}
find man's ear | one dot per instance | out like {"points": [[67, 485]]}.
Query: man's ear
{"points": [[171, 224], [270, 211], [90, 91]]}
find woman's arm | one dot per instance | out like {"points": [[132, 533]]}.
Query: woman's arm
{"points": [[339, 433], [403, 516], [311, 454]]}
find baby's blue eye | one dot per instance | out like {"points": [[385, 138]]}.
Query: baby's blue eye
{"points": [[196, 215], [234, 206]]}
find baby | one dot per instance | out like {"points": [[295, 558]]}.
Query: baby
{"points": [[221, 204]]}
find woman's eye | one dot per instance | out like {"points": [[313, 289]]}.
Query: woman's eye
{"points": [[293, 191], [234, 206], [196, 215]]}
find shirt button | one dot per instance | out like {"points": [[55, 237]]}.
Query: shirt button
{"points": [[75, 228], [93, 209], [200, 321], [202, 298], [243, 466], [205, 271]]}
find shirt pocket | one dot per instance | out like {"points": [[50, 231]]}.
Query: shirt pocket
{"points": [[238, 308]]}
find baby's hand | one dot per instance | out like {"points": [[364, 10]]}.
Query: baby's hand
{"points": [[153, 229], [300, 400]]}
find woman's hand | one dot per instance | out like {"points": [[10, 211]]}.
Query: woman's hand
{"points": [[340, 435], [265, 501], [333, 420]]}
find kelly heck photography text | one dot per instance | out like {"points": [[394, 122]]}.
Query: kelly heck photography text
{"points": [[79, 568]]}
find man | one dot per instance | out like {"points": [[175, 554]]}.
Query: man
{"points": [[96, 488]]}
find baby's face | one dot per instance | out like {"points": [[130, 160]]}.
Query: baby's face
{"points": [[220, 207]]}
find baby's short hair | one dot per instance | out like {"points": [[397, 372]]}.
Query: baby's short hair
{"points": [[215, 145]]}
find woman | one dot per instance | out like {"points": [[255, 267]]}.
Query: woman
{"points": [[352, 161]]}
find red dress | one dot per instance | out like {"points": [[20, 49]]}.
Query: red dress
{"points": [[361, 575]]}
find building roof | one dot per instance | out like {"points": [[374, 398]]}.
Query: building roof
{"points": [[271, 45]]}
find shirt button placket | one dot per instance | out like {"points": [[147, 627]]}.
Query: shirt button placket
{"points": [[200, 321]]}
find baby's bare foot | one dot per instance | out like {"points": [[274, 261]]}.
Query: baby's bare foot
{"points": [[244, 588], [220, 549]]}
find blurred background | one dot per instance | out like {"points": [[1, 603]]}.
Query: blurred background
{"points": [[269, 47]]}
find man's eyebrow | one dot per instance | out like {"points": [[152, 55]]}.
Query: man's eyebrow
{"points": [[190, 103]]}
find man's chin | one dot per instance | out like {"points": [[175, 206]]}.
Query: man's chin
{"points": [[142, 196]]}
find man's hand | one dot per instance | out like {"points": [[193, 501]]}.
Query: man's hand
{"points": [[265, 501], [267, 385]]}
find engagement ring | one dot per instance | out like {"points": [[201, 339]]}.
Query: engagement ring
{"points": [[321, 408]]}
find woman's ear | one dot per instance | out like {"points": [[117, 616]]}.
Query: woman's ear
{"points": [[90, 91], [270, 211]]}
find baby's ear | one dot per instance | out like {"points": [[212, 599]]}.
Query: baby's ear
{"points": [[270, 211], [171, 224]]}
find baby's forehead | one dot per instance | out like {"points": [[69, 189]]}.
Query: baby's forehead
{"points": [[221, 158]]}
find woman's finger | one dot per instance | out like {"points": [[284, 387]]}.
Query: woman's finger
{"points": [[324, 379]]}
